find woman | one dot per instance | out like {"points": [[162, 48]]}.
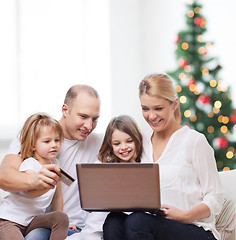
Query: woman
{"points": [[191, 193]]}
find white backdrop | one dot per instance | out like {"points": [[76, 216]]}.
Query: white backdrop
{"points": [[46, 46]]}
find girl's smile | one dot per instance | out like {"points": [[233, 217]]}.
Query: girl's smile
{"points": [[123, 146]]}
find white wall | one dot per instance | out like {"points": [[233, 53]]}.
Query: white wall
{"points": [[46, 46]]}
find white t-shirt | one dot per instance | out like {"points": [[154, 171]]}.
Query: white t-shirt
{"points": [[19, 207], [71, 153], [188, 174]]}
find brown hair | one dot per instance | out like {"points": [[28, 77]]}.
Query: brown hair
{"points": [[125, 124], [73, 92], [160, 85], [31, 131]]}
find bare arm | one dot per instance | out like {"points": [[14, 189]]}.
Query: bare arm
{"points": [[12, 180], [57, 201], [200, 211]]}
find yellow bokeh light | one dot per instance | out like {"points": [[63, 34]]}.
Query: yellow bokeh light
{"points": [[208, 45], [220, 118], [205, 71], [183, 99], [210, 114], [192, 87], [219, 88], [187, 68], [210, 129], [190, 13], [178, 88], [200, 38], [202, 50], [225, 120], [224, 129], [226, 169], [224, 89], [193, 118], [182, 76], [218, 104], [187, 113], [216, 110], [203, 22], [185, 46], [229, 154], [213, 83], [197, 10]]}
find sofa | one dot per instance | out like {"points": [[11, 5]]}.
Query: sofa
{"points": [[226, 220]]}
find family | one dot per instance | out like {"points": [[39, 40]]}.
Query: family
{"points": [[40, 207]]}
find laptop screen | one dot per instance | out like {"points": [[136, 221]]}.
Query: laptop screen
{"points": [[119, 186]]}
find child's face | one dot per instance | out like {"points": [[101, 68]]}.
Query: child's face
{"points": [[47, 145], [123, 146]]}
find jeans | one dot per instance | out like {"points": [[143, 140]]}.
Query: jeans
{"points": [[70, 231], [142, 226], [44, 234], [38, 234]]}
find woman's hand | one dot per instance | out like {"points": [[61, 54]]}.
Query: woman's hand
{"points": [[199, 211], [176, 214]]}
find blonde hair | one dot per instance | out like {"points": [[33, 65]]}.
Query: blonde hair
{"points": [[31, 131], [124, 124], [160, 85]]}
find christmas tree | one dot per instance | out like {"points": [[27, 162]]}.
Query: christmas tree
{"points": [[205, 100]]}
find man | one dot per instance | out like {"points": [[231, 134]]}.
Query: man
{"points": [[80, 113]]}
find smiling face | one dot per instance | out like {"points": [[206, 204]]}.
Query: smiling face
{"points": [[47, 145], [123, 146], [158, 112], [80, 119]]}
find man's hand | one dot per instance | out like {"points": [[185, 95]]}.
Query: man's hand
{"points": [[47, 177]]}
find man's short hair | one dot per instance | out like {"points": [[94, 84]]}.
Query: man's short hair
{"points": [[73, 92]]}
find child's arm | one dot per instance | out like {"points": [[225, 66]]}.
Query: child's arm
{"points": [[36, 192], [57, 201]]}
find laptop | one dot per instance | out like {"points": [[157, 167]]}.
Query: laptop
{"points": [[126, 187]]}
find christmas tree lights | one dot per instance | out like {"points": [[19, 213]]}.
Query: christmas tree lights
{"points": [[205, 100]]}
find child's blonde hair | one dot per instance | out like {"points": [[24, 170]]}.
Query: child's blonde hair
{"points": [[125, 124], [31, 131]]}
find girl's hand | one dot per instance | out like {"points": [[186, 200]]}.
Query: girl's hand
{"points": [[73, 227], [176, 214]]}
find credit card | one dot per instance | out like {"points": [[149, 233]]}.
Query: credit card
{"points": [[66, 178]]}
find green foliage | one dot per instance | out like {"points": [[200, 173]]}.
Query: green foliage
{"points": [[205, 101]]}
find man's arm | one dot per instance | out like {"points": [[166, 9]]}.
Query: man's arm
{"points": [[12, 180]]}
